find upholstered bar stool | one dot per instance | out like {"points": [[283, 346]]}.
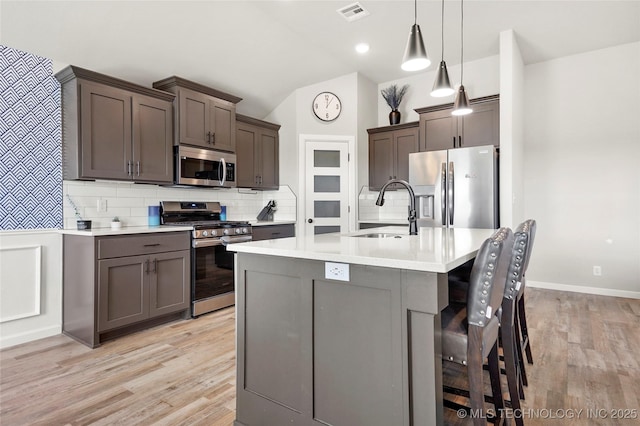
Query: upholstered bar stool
{"points": [[523, 255], [470, 331], [512, 352]]}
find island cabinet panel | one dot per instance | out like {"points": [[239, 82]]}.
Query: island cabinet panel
{"points": [[315, 351], [357, 353], [273, 302]]}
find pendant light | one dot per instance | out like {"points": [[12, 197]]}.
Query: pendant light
{"points": [[442, 85], [415, 55], [461, 105]]}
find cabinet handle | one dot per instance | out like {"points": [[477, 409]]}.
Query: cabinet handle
{"points": [[155, 265], [128, 168], [151, 245], [390, 177], [459, 141], [454, 141], [146, 266], [213, 137], [138, 166], [208, 137]]}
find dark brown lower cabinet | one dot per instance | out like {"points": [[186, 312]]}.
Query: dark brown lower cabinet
{"points": [[272, 232], [118, 284]]}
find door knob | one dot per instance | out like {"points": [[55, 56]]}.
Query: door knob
{"points": [[310, 220]]}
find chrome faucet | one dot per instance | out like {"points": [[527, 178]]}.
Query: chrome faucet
{"points": [[413, 225]]}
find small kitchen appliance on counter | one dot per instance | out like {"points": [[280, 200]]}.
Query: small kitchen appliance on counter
{"points": [[266, 214], [212, 285]]}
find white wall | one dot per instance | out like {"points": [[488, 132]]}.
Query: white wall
{"points": [[582, 170], [30, 285], [511, 131]]}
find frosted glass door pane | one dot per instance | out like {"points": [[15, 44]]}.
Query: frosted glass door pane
{"points": [[326, 183], [326, 208], [326, 158]]}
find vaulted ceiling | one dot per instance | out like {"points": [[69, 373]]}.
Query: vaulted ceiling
{"points": [[264, 50]]}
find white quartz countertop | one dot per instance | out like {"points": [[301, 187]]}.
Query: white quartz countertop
{"points": [[433, 250], [101, 232]]}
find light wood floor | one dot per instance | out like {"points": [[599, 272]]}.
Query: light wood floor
{"points": [[586, 352]]}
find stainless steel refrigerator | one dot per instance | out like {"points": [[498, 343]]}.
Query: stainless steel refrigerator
{"points": [[456, 187]]}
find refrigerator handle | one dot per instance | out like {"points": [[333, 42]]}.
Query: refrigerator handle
{"points": [[451, 185], [443, 194]]}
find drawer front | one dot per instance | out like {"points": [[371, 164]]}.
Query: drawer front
{"points": [[132, 245], [271, 232]]}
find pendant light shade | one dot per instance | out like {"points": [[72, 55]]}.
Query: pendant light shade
{"points": [[415, 55], [461, 105], [442, 85]]}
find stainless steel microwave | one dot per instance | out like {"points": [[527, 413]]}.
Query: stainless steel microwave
{"points": [[204, 167]]}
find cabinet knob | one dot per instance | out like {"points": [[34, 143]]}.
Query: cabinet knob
{"points": [[310, 220]]}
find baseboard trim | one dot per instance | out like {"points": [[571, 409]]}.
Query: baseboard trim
{"points": [[29, 336], [583, 289]]}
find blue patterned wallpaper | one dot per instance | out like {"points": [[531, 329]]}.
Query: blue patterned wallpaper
{"points": [[30, 142]]}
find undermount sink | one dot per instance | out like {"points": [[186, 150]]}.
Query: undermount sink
{"points": [[379, 235]]}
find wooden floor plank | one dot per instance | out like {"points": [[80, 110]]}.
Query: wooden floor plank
{"points": [[585, 350]]}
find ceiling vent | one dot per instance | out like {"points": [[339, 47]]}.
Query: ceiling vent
{"points": [[353, 12]]}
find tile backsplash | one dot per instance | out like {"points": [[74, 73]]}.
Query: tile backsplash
{"points": [[395, 206], [129, 201]]}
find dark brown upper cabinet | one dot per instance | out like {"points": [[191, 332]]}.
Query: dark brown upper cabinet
{"points": [[257, 153], [113, 129], [205, 117], [389, 149], [441, 130]]}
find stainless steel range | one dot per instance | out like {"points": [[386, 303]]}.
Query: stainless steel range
{"points": [[212, 285]]}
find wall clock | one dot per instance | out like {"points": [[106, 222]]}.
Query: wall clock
{"points": [[327, 106]]}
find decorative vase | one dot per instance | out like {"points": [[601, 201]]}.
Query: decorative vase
{"points": [[83, 224], [394, 117]]}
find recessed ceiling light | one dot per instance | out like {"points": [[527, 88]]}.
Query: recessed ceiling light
{"points": [[362, 47]]}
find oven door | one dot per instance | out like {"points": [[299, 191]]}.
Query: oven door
{"points": [[212, 283]]}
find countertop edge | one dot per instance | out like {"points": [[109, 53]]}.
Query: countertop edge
{"points": [[127, 230]]}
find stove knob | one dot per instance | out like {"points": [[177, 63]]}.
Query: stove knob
{"points": [[227, 231], [205, 233], [245, 230], [238, 231], [214, 232]]}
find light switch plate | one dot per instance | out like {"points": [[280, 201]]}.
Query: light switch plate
{"points": [[336, 271]]}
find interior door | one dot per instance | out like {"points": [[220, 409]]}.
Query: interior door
{"points": [[327, 189]]}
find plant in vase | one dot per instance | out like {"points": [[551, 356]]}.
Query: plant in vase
{"points": [[393, 97], [81, 223], [115, 223]]}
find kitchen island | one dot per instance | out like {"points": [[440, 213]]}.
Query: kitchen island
{"points": [[343, 329]]}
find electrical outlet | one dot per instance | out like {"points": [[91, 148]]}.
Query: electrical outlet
{"points": [[102, 206], [336, 271], [597, 271]]}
